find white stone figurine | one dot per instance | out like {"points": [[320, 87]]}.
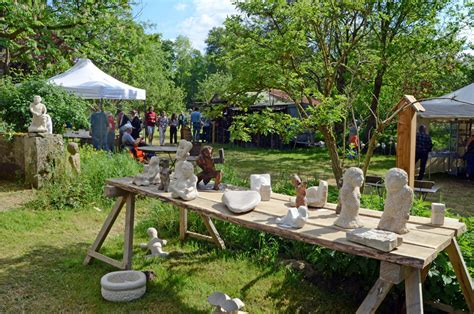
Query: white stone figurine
{"points": [[257, 180], [49, 124], [295, 218], [241, 201], [398, 203], [155, 245], [38, 121], [349, 199], [317, 196], [149, 173], [182, 153], [184, 186], [224, 304], [437, 214]]}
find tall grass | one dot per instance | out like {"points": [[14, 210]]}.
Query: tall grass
{"points": [[69, 191]]}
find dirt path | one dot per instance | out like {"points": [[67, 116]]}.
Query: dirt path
{"points": [[14, 195]]}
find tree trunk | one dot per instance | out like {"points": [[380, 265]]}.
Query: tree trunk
{"points": [[371, 123], [333, 155]]}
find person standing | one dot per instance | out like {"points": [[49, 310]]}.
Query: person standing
{"points": [[150, 120], [174, 129], [423, 148], [162, 125], [469, 158], [111, 132], [122, 119], [196, 122], [136, 124]]}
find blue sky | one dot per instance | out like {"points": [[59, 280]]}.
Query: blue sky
{"points": [[191, 18]]}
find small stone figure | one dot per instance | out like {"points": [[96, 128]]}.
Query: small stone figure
{"points": [[209, 171], [49, 124], [349, 198], [317, 196], [155, 245], [224, 304], [398, 203], [300, 199], [164, 175], [39, 121], [184, 147], [184, 187], [295, 218], [437, 214], [75, 158], [149, 173]]}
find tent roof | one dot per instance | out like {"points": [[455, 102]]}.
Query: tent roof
{"points": [[456, 105], [88, 81]]}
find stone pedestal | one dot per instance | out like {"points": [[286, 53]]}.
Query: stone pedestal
{"points": [[43, 153], [378, 239]]}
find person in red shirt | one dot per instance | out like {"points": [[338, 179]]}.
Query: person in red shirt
{"points": [[150, 118]]}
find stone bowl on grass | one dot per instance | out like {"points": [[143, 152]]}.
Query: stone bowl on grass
{"points": [[123, 286]]}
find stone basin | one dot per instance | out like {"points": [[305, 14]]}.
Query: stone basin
{"points": [[123, 286]]}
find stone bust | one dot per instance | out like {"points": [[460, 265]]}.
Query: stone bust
{"points": [[349, 199], [39, 120], [398, 202]]}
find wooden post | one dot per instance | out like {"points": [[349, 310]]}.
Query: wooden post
{"points": [[183, 223], [213, 132], [462, 274], [128, 237], [406, 136], [413, 293]]}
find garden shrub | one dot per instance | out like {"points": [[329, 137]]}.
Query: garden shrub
{"points": [[62, 106]]}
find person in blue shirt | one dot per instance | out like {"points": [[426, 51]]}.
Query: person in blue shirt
{"points": [[423, 148], [196, 122]]}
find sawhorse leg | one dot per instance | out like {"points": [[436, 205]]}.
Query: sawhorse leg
{"points": [[211, 229], [462, 274], [93, 252], [391, 274]]}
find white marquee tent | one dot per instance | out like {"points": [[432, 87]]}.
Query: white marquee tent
{"points": [[88, 81], [456, 105]]}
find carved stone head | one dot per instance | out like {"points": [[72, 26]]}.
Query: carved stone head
{"points": [[354, 177], [154, 161], [395, 179], [72, 148], [206, 151], [184, 148], [165, 163], [152, 232], [37, 99]]}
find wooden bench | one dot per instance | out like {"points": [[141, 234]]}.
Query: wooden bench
{"points": [[410, 262]]}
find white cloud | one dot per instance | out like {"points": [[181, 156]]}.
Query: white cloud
{"points": [[180, 6], [207, 14]]}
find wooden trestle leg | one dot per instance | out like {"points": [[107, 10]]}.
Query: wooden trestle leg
{"points": [[392, 274], [93, 252], [184, 233]]}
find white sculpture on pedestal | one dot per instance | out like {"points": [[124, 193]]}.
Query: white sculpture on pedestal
{"points": [[38, 121], [349, 199], [184, 147], [149, 173], [184, 186], [295, 218], [317, 196], [257, 181], [155, 245], [398, 203]]}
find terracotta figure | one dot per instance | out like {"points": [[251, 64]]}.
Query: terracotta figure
{"points": [[209, 171]]}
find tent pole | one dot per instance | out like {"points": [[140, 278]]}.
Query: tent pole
{"points": [[101, 107], [144, 118]]}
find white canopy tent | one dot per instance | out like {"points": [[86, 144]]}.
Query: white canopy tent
{"points": [[88, 81], [456, 105]]}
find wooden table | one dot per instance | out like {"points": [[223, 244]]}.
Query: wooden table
{"points": [[409, 262], [83, 136], [155, 149]]}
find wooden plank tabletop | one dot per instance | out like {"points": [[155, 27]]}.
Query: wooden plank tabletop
{"points": [[159, 149], [420, 246]]}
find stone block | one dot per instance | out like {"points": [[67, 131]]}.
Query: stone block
{"points": [[378, 239]]}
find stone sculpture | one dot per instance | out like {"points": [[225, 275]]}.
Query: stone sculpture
{"points": [[295, 218], [241, 201], [398, 202], [164, 175], [39, 121], [257, 180], [184, 186], [184, 147], [49, 124], [378, 239], [149, 172], [300, 186], [437, 214], [74, 158], [265, 192], [224, 304], [123, 286], [155, 245], [317, 196], [209, 171], [349, 199]]}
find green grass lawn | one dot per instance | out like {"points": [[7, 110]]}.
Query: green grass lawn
{"points": [[42, 249]]}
